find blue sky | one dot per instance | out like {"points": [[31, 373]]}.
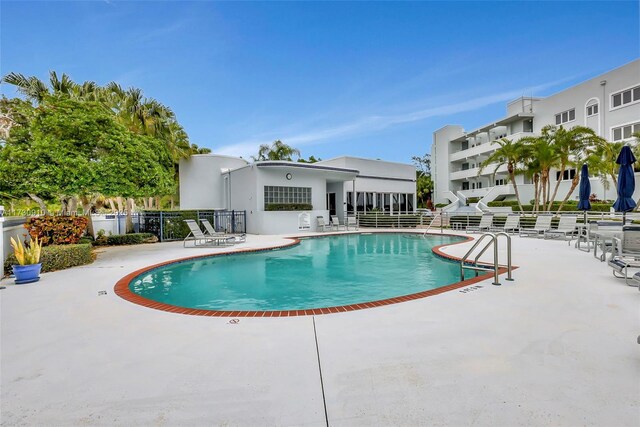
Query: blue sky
{"points": [[364, 79]]}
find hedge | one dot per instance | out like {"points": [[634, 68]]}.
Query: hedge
{"points": [[131, 239], [568, 206], [57, 230], [58, 257], [288, 207], [473, 199]]}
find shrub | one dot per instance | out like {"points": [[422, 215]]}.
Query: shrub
{"points": [[131, 239], [288, 207], [59, 257], [57, 230], [473, 199]]}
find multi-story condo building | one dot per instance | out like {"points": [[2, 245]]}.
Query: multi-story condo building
{"points": [[609, 104]]}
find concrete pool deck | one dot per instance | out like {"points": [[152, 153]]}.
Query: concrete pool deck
{"points": [[555, 347]]}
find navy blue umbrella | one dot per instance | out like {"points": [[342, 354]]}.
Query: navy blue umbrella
{"points": [[626, 181], [585, 189]]}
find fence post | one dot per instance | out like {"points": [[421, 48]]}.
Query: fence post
{"points": [[161, 227], [233, 221]]}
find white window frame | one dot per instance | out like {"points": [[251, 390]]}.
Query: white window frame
{"points": [[620, 92], [622, 125], [561, 113]]}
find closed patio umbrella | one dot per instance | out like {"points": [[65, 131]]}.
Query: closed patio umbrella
{"points": [[626, 182], [585, 191]]}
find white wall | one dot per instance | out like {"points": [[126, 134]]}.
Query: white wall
{"points": [[201, 180], [440, 164], [244, 195]]}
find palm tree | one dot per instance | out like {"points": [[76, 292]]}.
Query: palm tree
{"points": [[32, 88], [569, 144], [277, 151], [547, 157], [509, 153]]}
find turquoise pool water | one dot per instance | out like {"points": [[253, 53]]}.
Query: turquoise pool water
{"points": [[318, 273]]}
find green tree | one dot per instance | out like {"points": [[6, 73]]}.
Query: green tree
{"points": [[424, 183], [277, 151], [77, 147], [508, 153]]}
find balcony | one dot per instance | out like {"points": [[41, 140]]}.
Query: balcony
{"points": [[485, 148], [473, 172]]}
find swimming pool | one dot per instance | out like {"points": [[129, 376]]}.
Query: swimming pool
{"points": [[332, 271]]}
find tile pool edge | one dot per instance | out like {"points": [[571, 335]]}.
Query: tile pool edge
{"points": [[122, 289]]}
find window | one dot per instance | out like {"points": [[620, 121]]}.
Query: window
{"points": [[592, 110], [409, 202], [297, 195], [625, 132], [625, 97], [566, 116], [479, 185], [465, 185], [501, 181], [569, 174]]}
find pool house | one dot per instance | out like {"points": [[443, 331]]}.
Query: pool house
{"points": [[285, 197]]}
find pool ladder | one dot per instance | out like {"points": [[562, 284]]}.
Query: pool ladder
{"points": [[467, 264]]}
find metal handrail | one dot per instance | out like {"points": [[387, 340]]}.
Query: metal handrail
{"points": [[494, 239], [436, 216]]}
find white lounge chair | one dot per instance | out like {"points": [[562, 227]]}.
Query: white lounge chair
{"points": [[335, 222], [485, 224], [321, 225], [352, 221], [199, 238], [543, 223], [228, 237], [511, 224], [626, 253], [566, 228]]}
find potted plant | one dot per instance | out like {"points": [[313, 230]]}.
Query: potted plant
{"points": [[28, 268]]}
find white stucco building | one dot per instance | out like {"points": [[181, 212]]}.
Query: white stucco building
{"points": [[609, 104], [338, 186]]}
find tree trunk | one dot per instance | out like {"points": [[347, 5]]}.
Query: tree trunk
{"points": [[120, 204], [129, 221], [40, 202], [145, 203], [574, 183], [151, 203], [158, 203], [512, 177], [73, 205], [64, 206], [555, 190], [112, 205], [536, 191], [87, 205]]}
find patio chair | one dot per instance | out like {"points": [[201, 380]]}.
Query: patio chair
{"points": [[485, 224], [229, 238], [543, 223], [352, 221], [511, 224], [199, 238], [566, 228], [321, 225], [335, 222], [626, 253]]}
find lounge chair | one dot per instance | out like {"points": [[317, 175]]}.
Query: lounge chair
{"points": [[485, 224], [335, 222], [321, 225], [352, 221], [626, 253], [543, 223], [511, 224], [201, 239], [566, 228], [227, 237]]}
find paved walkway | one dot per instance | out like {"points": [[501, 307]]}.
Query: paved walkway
{"points": [[555, 347]]}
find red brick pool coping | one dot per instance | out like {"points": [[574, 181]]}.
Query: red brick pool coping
{"points": [[122, 286]]}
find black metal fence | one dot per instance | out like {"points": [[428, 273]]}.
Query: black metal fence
{"points": [[170, 225]]}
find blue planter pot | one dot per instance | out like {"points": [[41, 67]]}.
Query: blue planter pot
{"points": [[27, 273]]}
